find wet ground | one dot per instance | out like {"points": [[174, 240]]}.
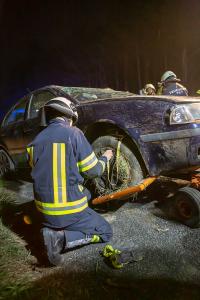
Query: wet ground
{"points": [[167, 254]]}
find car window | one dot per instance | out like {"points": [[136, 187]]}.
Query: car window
{"points": [[91, 94], [17, 113], [38, 101]]}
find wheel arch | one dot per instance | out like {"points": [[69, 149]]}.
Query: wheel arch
{"points": [[106, 127], [2, 147]]}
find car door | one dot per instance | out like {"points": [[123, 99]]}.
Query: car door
{"points": [[32, 123], [12, 136]]}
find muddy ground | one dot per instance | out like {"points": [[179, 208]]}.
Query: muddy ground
{"points": [[167, 254]]}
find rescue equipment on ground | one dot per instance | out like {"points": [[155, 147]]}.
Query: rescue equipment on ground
{"points": [[119, 258]]}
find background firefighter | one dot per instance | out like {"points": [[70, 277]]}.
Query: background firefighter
{"points": [[60, 157], [149, 89], [170, 85]]}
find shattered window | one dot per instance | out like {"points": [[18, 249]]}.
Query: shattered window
{"points": [[38, 101], [91, 94]]}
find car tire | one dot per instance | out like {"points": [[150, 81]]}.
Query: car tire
{"points": [[124, 170], [6, 164], [187, 206]]}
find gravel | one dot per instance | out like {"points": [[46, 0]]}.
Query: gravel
{"points": [[167, 254], [166, 249]]}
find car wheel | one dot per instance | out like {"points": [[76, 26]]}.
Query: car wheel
{"points": [[187, 206], [6, 164], [124, 168]]}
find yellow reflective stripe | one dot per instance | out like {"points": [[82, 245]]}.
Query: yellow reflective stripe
{"points": [[59, 173], [117, 156], [54, 205], [55, 172], [90, 166], [63, 173], [88, 158], [62, 212], [103, 164], [80, 187], [30, 152]]}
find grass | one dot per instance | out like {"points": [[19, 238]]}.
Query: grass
{"points": [[20, 277], [14, 264], [15, 260]]}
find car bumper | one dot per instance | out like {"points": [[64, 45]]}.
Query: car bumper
{"points": [[171, 151]]}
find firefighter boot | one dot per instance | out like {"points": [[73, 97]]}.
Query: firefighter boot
{"points": [[53, 242]]}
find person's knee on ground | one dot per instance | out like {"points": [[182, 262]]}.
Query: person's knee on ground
{"points": [[99, 232], [57, 242]]}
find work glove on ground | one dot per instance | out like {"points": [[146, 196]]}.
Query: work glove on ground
{"points": [[119, 258]]}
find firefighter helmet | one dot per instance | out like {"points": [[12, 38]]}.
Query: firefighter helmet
{"points": [[61, 105], [167, 75], [150, 86]]}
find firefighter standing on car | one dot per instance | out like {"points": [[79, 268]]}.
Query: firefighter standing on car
{"points": [[61, 157], [170, 85]]}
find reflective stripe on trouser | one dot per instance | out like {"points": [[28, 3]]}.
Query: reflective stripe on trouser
{"points": [[77, 242], [79, 239], [88, 223]]}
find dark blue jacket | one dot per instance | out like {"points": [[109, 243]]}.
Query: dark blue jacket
{"points": [[173, 88], [61, 157]]}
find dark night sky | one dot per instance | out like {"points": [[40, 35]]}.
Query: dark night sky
{"points": [[120, 44]]}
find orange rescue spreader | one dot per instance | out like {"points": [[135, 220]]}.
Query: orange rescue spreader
{"points": [[124, 194]]}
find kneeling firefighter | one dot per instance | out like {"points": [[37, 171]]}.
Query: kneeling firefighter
{"points": [[61, 157]]}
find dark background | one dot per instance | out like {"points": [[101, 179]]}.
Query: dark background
{"points": [[117, 44]]}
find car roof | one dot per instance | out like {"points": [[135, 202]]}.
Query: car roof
{"points": [[92, 94], [85, 94]]}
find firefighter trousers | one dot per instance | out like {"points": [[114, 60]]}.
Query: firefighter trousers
{"points": [[88, 224]]}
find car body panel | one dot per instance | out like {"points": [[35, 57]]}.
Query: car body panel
{"points": [[163, 147]]}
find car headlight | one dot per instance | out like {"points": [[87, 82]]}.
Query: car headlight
{"points": [[180, 115]]}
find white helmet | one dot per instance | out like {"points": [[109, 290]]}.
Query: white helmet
{"points": [[167, 75], [150, 85], [62, 105]]}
